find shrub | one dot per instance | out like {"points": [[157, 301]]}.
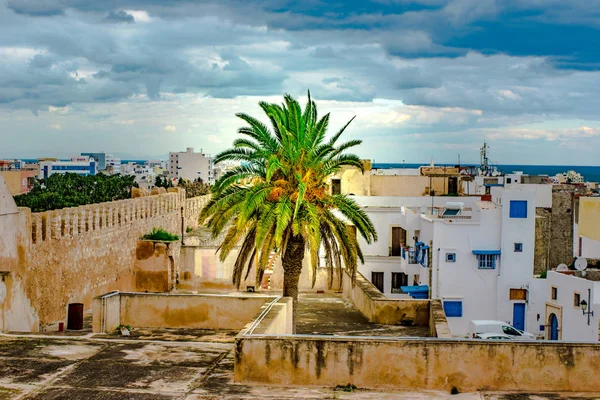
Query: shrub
{"points": [[160, 234], [189, 229]]}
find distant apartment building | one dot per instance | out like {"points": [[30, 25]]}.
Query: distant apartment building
{"points": [[404, 182], [81, 165], [19, 176], [191, 166], [106, 162]]}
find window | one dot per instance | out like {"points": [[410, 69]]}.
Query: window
{"points": [[508, 180], [377, 280], [336, 186], [554, 293], [518, 209], [450, 212], [486, 261], [450, 257], [453, 308], [399, 279], [518, 247], [576, 300], [509, 330]]}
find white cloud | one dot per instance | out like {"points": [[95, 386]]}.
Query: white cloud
{"points": [[139, 15], [546, 134], [169, 128]]}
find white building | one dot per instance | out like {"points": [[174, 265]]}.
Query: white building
{"points": [[113, 164], [480, 252], [191, 166], [81, 165], [564, 318]]}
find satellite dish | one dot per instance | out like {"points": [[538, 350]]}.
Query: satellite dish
{"points": [[580, 264], [562, 267]]}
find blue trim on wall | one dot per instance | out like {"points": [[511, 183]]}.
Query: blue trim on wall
{"points": [[487, 252], [518, 209]]}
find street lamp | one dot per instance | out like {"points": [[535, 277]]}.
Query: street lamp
{"points": [[584, 306]]}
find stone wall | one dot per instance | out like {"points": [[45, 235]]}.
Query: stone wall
{"points": [[70, 255], [543, 223], [561, 231], [379, 309], [193, 207], [156, 265], [167, 310], [79, 253], [467, 365], [274, 318]]}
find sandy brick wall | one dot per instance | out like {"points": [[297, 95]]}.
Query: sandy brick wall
{"points": [[74, 254]]}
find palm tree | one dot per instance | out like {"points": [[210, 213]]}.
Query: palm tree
{"points": [[278, 199]]}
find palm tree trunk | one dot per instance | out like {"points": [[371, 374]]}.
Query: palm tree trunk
{"points": [[292, 267]]}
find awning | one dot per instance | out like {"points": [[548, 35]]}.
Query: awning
{"points": [[493, 184], [487, 252], [414, 289]]}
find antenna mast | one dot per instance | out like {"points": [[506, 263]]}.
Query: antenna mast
{"points": [[484, 160]]}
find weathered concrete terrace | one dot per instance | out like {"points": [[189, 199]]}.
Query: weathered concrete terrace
{"points": [[52, 369], [331, 314]]}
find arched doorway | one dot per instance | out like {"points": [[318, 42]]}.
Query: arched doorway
{"points": [[553, 326]]}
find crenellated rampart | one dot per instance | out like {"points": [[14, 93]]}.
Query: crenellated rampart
{"points": [[193, 207], [74, 254]]}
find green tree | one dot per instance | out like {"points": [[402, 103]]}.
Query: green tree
{"points": [[284, 203], [72, 190]]}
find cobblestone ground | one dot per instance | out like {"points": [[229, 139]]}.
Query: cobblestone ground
{"points": [[52, 369]]}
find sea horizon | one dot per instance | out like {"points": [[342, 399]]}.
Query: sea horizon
{"points": [[590, 173]]}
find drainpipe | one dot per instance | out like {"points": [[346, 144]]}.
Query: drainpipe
{"points": [[437, 274]]}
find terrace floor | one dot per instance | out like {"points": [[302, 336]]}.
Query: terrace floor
{"points": [[331, 314], [37, 368]]}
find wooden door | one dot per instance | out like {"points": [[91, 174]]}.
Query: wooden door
{"points": [[398, 239]]}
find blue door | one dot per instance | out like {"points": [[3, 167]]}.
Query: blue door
{"points": [[553, 327], [519, 316]]}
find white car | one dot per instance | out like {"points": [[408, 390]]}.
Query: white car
{"points": [[498, 327], [492, 336]]}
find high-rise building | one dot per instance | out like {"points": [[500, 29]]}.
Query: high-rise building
{"points": [[106, 162], [191, 166]]}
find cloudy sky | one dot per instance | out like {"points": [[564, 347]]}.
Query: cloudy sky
{"points": [[425, 78]]}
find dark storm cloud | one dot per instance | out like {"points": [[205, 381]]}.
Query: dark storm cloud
{"points": [[119, 16], [425, 52], [36, 8]]}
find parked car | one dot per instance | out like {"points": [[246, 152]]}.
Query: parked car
{"points": [[497, 327], [492, 336]]}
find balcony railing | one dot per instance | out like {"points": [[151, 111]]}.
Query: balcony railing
{"points": [[410, 255]]}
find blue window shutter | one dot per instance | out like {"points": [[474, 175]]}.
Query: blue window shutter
{"points": [[518, 209], [453, 308]]}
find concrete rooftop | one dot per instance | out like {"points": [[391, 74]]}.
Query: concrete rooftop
{"points": [[331, 314], [51, 369]]}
